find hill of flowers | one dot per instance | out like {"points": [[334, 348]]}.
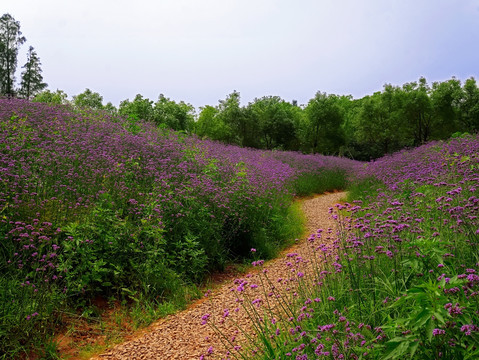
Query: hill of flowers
{"points": [[399, 279], [93, 204]]}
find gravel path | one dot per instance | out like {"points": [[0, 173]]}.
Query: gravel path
{"points": [[181, 336]]}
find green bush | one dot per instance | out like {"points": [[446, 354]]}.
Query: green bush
{"points": [[104, 253]]}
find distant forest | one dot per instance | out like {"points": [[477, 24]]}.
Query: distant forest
{"points": [[362, 129]]}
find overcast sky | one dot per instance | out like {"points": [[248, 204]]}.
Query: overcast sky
{"points": [[199, 51]]}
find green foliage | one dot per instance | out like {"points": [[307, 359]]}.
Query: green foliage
{"points": [[110, 108], [139, 108], [323, 129], [459, 135], [32, 79], [266, 123], [275, 120], [104, 254], [417, 111], [10, 40], [133, 124], [165, 113], [210, 125], [58, 97], [364, 190], [378, 122], [188, 257], [285, 225], [469, 106], [445, 99], [232, 115], [176, 116], [89, 100], [366, 128], [26, 315]]}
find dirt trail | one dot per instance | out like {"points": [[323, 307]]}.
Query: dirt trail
{"points": [[181, 336]]}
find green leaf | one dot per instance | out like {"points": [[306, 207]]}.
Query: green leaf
{"points": [[396, 348], [472, 355], [423, 317], [429, 329], [438, 316], [413, 348]]}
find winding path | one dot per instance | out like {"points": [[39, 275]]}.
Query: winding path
{"points": [[181, 336]]}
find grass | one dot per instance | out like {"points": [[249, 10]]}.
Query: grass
{"points": [[318, 183]]}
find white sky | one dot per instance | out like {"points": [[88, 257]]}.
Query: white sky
{"points": [[199, 51]]}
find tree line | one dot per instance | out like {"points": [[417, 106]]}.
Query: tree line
{"points": [[365, 128], [386, 121]]}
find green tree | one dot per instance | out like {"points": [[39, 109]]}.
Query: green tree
{"points": [[417, 110], [88, 99], [10, 40], [232, 115], [139, 108], [378, 123], [109, 107], [469, 106], [274, 121], [58, 97], [372, 126], [176, 116], [350, 109], [445, 99], [323, 132], [32, 79], [211, 125]]}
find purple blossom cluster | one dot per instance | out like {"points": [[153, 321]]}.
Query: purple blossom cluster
{"points": [[437, 163], [405, 249], [315, 163]]}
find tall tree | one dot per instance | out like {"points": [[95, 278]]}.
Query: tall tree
{"points": [[58, 97], [231, 113], [210, 125], [324, 124], [274, 121], [32, 79], [445, 99], [417, 109], [109, 107], [469, 106], [176, 116], [353, 147], [10, 40], [377, 123], [139, 108], [88, 99]]}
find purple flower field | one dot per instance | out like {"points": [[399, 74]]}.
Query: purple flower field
{"points": [[98, 205], [93, 204], [398, 280]]}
